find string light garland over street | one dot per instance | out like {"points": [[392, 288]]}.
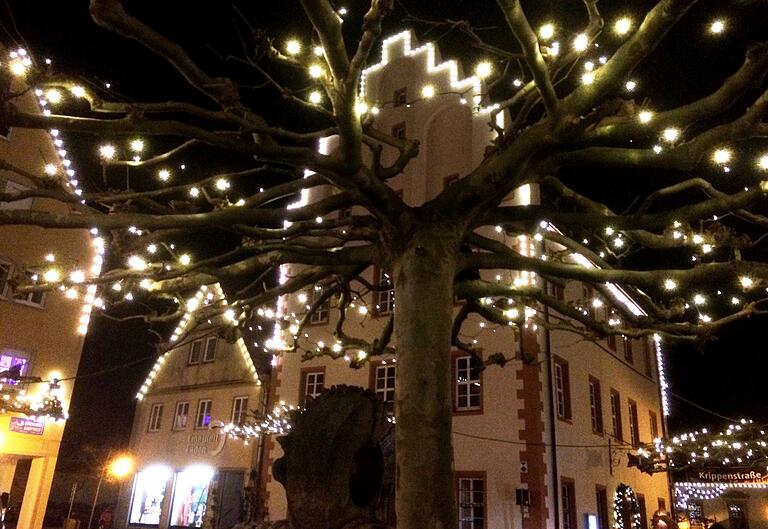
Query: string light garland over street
{"points": [[560, 100]]}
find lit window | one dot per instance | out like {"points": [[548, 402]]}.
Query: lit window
{"points": [[13, 366], [210, 349], [155, 418], [471, 502], [203, 418], [468, 390], [195, 352], [180, 417], [239, 410], [148, 495], [190, 497]]}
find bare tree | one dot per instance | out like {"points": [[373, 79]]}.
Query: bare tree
{"points": [[555, 126]]}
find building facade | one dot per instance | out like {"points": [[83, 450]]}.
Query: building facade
{"points": [[541, 442], [41, 334], [184, 463]]}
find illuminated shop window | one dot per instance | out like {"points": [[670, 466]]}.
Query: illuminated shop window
{"points": [[8, 361], [148, 495], [190, 497]]}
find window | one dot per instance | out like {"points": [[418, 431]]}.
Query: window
{"points": [[155, 418], [384, 384], [648, 357], [14, 365], [562, 389], [203, 418], [601, 497], [15, 187], [195, 352], [312, 384], [737, 516], [612, 341], [616, 414], [595, 405], [147, 499], [568, 497], [239, 410], [557, 291], [627, 346], [180, 416], [588, 294], [654, 425], [400, 97], [634, 432], [398, 130], [470, 490], [210, 349], [385, 295], [29, 298], [323, 310], [643, 514], [468, 388], [190, 497]]}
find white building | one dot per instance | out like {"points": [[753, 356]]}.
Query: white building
{"points": [[591, 402], [183, 462]]}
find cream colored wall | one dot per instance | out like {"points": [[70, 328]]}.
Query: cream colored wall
{"points": [[48, 335]]}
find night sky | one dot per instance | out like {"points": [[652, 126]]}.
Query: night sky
{"points": [[724, 378]]}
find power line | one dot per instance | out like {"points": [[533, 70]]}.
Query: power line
{"points": [[702, 408], [556, 445]]}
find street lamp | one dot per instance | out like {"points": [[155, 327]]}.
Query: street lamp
{"points": [[119, 467]]}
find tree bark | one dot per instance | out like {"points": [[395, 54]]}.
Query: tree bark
{"points": [[423, 275]]}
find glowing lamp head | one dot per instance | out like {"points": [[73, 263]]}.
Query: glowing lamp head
{"points": [[121, 466], [293, 47], [581, 42], [428, 91], [107, 151], [547, 31], [483, 69], [622, 26]]}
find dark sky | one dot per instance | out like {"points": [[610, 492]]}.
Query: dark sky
{"points": [[725, 377]]}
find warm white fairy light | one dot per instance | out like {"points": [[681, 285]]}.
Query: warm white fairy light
{"points": [[164, 175], [315, 97], [717, 26], [428, 91], [185, 259], [721, 156], [194, 192], [50, 169], [746, 282], [136, 262], [483, 69], [581, 42], [77, 91], [671, 134], [645, 116], [53, 95], [137, 145], [315, 71], [52, 275], [630, 85], [222, 184], [293, 47], [670, 284], [361, 107], [77, 276], [107, 151], [547, 31], [318, 51], [622, 26], [762, 162]]}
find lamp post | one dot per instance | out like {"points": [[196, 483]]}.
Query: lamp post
{"points": [[118, 467]]}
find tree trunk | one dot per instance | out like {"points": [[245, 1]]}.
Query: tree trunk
{"points": [[423, 276]]}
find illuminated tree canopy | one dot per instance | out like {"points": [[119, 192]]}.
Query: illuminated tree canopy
{"points": [[570, 111]]}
